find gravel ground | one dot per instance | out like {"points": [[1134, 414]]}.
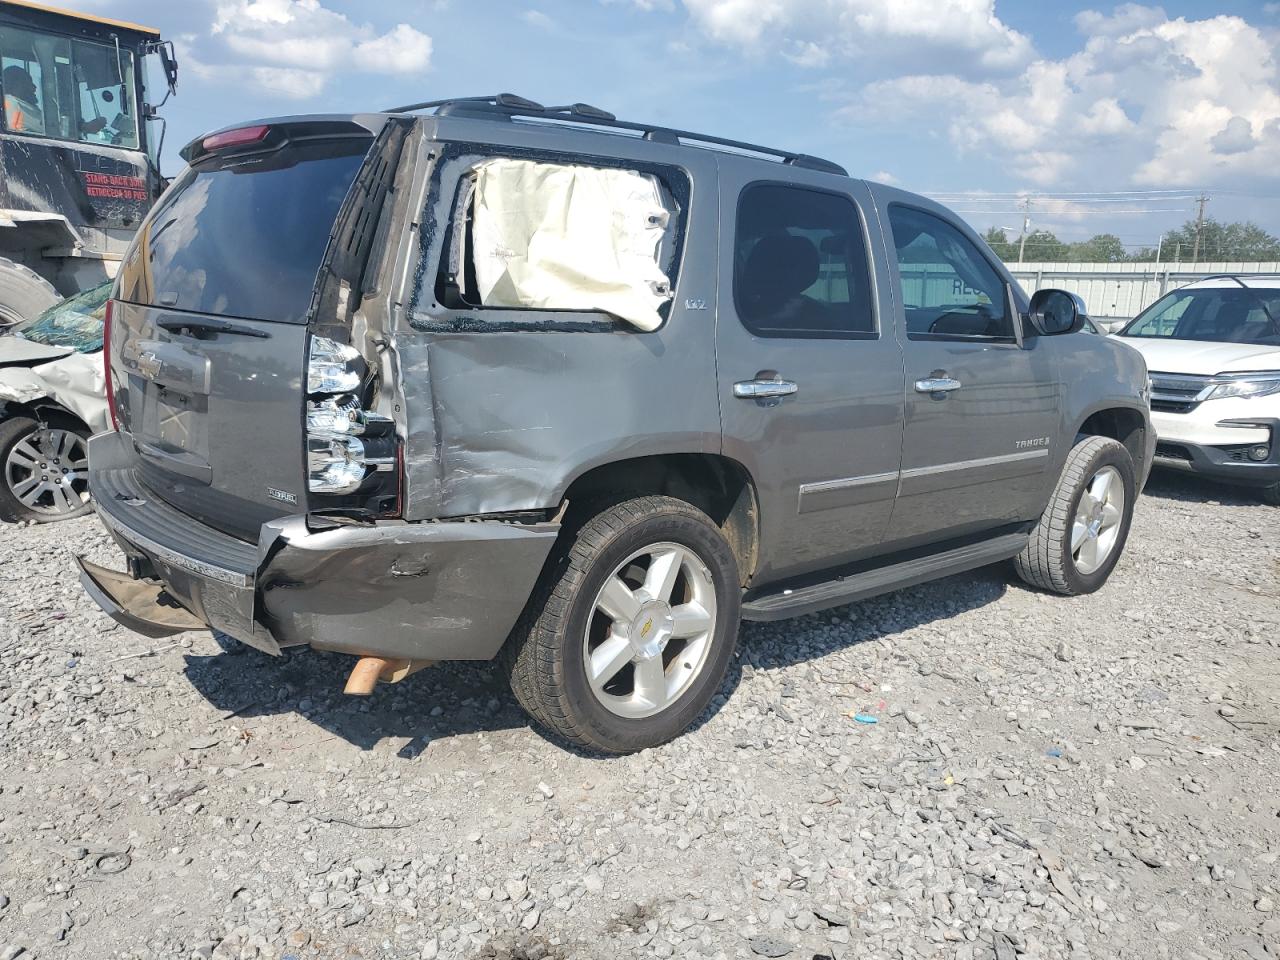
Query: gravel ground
{"points": [[1045, 778]]}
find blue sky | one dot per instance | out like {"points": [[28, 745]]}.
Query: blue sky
{"points": [[1144, 106]]}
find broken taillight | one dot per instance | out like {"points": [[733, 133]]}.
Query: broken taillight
{"points": [[106, 366], [235, 138], [345, 443]]}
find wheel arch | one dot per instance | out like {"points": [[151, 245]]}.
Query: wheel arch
{"points": [[717, 485], [43, 409], [1125, 424]]}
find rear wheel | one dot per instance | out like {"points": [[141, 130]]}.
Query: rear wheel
{"points": [[1082, 532], [24, 294], [44, 470], [632, 627]]}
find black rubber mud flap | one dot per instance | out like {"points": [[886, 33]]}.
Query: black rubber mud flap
{"points": [[135, 604]]}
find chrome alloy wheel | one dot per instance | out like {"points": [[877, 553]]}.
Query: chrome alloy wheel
{"points": [[1096, 526], [650, 630], [47, 471]]}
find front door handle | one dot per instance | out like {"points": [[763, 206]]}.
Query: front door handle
{"points": [[937, 385], [762, 388]]}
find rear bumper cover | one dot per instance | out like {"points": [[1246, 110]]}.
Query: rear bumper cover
{"points": [[1223, 462], [436, 590]]}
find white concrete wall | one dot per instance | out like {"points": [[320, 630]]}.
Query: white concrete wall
{"points": [[1123, 290]]}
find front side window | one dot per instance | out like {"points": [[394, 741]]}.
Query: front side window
{"points": [[800, 264], [68, 89], [949, 290], [1215, 315]]}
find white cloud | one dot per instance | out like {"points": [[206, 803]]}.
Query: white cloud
{"points": [[1146, 100], [1235, 137], [815, 32], [292, 48], [402, 49], [1124, 19], [536, 18], [885, 177]]}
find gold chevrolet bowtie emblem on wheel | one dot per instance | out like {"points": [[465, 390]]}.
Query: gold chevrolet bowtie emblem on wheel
{"points": [[648, 625]]}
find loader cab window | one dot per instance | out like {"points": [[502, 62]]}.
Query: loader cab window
{"points": [[67, 89]]}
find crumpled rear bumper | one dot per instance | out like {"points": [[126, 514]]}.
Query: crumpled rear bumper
{"points": [[437, 590]]}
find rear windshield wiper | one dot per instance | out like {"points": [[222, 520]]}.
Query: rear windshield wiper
{"points": [[1257, 298], [208, 325]]}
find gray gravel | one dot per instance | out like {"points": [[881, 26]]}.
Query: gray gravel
{"points": [[1046, 778]]}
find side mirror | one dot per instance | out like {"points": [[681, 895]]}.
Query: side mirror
{"points": [[1054, 312]]}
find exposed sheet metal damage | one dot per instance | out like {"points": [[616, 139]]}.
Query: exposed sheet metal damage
{"points": [[474, 386], [73, 382]]}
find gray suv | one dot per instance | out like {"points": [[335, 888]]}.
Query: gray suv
{"points": [[527, 382]]}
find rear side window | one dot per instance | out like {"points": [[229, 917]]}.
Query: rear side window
{"points": [[530, 235], [800, 264], [949, 289], [244, 236]]}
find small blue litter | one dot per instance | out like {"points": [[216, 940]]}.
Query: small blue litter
{"points": [[865, 718], [1053, 752]]}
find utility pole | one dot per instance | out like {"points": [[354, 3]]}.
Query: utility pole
{"points": [[1026, 225], [1159, 247], [1195, 250]]}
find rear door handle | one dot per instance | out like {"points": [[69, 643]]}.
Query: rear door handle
{"points": [[764, 389], [937, 385]]}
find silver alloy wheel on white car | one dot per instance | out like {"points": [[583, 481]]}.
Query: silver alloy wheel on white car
{"points": [[47, 471], [650, 631], [1097, 522]]}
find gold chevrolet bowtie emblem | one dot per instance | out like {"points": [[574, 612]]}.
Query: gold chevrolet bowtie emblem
{"points": [[648, 625]]}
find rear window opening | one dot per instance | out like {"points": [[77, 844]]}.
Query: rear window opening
{"points": [[243, 235], [530, 235]]}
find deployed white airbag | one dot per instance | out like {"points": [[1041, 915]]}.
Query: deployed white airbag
{"points": [[556, 237]]}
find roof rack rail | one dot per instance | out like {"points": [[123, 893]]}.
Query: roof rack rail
{"points": [[1236, 277], [510, 105]]}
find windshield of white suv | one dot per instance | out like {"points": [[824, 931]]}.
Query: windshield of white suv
{"points": [[1214, 314], [75, 322]]}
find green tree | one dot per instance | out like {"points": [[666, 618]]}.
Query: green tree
{"points": [[1103, 248], [1221, 241], [999, 243], [1042, 246]]}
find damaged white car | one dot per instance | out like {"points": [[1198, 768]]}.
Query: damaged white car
{"points": [[52, 398]]}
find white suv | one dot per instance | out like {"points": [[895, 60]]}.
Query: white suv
{"points": [[1213, 350]]}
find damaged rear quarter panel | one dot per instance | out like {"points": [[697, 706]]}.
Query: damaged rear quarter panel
{"points": [[505, 409]]}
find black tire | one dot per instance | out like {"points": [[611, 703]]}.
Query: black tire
{"points": [[1047, 561], [12, 432], [1271, 494], [24, 294], [544, 655]]}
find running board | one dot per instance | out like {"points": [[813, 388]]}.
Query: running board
{"points": [[870, 583]]}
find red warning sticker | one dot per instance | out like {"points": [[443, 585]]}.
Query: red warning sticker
{"points": [[115, 186]]}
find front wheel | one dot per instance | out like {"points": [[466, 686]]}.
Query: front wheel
{"points": [[632, 627], [1082, 532], [45, 471]]}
